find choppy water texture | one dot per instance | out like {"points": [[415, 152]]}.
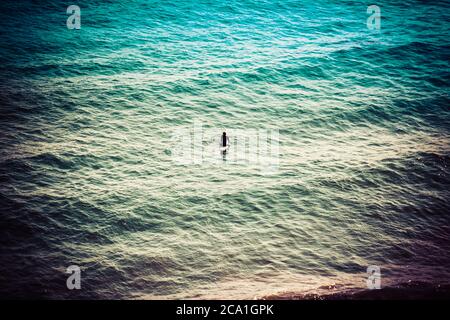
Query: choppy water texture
{"points": [[86, 168]]}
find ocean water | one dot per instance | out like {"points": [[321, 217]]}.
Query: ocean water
{"points": [[87, 175]]}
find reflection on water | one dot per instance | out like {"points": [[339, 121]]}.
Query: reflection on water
{"points": [[88, 175]]}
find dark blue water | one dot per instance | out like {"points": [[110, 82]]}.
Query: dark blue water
{"points": [[87, 175]]}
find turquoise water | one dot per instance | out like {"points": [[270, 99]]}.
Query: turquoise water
{"points": [[87, 173]]}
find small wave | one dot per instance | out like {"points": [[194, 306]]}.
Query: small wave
{"points": [[402, 291]]}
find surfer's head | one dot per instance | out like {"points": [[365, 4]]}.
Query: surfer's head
{"points": [[224, 134]]}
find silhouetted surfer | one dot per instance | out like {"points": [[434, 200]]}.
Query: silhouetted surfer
{"points": [[225, 143], [224, 139]]}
